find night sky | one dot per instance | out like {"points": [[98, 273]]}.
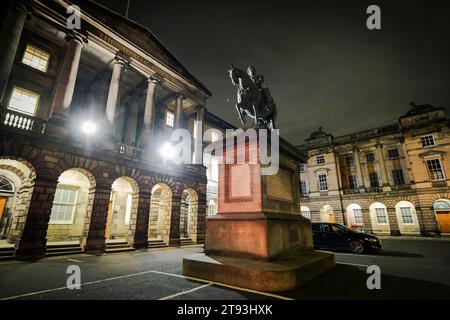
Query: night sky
{"points": [[321, 63]]}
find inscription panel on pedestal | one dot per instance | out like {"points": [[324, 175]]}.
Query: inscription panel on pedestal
{"points": [[279, 186], [239, 184]]}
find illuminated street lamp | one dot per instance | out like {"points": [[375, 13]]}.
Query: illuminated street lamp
{"points": [[89, 127]]}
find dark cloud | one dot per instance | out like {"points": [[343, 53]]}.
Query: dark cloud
{"points": [[323, 66]]}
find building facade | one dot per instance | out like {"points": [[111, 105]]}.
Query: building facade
{"points": [[392, 180], [85, 114]]}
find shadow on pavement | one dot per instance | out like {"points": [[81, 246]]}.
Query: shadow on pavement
{"points": [[349, 282]]}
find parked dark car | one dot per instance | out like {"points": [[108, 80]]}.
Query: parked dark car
{"points": [[336, 236]]}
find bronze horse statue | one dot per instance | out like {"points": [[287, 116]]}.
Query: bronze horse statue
{"points": [[253, 98]]}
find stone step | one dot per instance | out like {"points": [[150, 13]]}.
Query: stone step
{"points": [[9, 253], [186, 242], [65, 249], [154, 246], [68, 245], [6, 258], [121, 249], [7, 249], [62, 253], [117, 245]]}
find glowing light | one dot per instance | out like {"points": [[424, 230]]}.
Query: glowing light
{"points": [[167, 151], [89, 127]]}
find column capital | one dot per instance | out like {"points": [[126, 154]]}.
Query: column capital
{"points": [[121, 59], [153, 79], [77, 36], [180, 96]]}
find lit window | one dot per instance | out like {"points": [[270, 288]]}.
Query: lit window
{"points": [[370, 157], [170, 118], [428, 141], [306, 214], [36, 58], [435, 169], [128, 209], [23, 101], [353, 182], [357, 213], [64, 205], [393, 154], [407, 217], [374, 181], [323, 183], [398, 177], [381, 215], [320, 159], [303, 187]]}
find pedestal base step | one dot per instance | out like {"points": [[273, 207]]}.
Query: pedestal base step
{"points": [[281, 275]]}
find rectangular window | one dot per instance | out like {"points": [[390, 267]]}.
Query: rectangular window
{"points": [[64, 205], [428, 141], [306, 214], [302, 167], [352, 182], [393, 153], [435, 169], [128, 209], [407, 217], [398, 177], [303, 187], [374, 181], [24, 101], [36, 58], [170, 118], [320, 159], [370, 157], [381, 215], [323, 183], [358, 216], [349, 161]]}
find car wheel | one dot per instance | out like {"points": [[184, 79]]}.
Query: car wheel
{"points": [[357, 247]]}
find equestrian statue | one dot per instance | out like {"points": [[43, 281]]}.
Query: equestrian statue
{"points": [[253, 97]]}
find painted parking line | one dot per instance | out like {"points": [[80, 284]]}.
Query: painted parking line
{"points": [[83, 284], [73, 260], [225, 285], [186, 291], [208, 283]]}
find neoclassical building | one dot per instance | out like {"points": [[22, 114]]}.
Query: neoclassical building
{"points": [[84, 115], [391, 180]]}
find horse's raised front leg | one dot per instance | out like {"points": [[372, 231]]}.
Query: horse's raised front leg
{"points": [[239, 110], [256, 113]]}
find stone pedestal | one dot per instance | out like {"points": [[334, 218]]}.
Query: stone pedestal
{"points": [[259, 240]]}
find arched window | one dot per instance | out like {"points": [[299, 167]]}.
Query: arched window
{"points": [[6, 186], [305, 212]]}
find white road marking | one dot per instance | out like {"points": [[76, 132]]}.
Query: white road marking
{"points": [[73, 260], [226, 285], [186, 291], [354, 264], [156, 272]]}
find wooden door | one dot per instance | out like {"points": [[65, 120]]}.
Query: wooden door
{"points": [[331, 217], [443, 219], [2, 205]]}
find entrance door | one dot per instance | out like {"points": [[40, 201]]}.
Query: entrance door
{"points": [[331, 217], [2, 206], [443, 219]]}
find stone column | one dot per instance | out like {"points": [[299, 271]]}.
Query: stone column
{"points": [[66, 83], [179, 112], [132, 120], [9, 39], [358, 169], [174, 238], [198, 134], [142, 220], [33, 241], [384, 175], [113, 95], [95, 242], [147, 130], [201, 217]]}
